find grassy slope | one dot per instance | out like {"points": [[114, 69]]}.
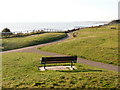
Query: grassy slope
{"points": [[20, 70], [13, 43], [98, 45]]}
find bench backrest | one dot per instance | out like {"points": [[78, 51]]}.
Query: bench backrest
{"points": [[65, 59]]}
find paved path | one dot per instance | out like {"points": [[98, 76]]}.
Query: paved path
{"points": [[82, 61]]}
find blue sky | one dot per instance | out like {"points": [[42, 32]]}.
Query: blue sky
{"points": [[58, 10]]}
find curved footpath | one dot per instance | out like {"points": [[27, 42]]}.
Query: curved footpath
{"points": [[82, 61]]}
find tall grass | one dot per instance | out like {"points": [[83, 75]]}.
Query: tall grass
{"points": [[97, 44], [20, 70], [19, 42]]}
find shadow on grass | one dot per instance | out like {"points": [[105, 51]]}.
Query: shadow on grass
{"points": [[87, 70]]}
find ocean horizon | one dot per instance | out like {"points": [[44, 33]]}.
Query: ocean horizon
{"points": [[61, 26]]}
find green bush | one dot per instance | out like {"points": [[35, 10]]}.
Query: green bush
{"points": [[6, 31]]}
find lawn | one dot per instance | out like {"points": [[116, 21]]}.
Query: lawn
{"points": [[19, 42], [97, 44], [20, 70]]}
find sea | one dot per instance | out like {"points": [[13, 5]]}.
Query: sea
{"points": [[60, 26]]}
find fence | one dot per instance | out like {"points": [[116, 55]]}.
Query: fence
{"points": [[28, 32], [42, 30], [32, 32]]}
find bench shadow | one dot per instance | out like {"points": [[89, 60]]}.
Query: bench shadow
{"points": [[87, 70]]}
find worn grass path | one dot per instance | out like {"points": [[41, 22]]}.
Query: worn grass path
{"points": [[82, 61]]}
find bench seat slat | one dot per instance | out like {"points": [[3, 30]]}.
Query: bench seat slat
{"points": [[57, 61], [65, 59], [70, 57], [58, 58]]}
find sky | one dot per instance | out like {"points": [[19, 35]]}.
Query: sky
{"points": [[119, 10], [58, 10]]}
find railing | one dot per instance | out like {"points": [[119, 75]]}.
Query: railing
{"points": [[32, 32], [42, 30], [28, 32]]}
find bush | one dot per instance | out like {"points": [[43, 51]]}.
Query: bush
{"points": [[6, 31]]}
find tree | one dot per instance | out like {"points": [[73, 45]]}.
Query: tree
{"points": [[6, 31]]}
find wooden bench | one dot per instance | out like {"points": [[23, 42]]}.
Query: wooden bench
{"points": [[64, 59]]}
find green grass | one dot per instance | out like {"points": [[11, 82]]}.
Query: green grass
{"points": [[20, 70], [91, 43], [19, 42]]}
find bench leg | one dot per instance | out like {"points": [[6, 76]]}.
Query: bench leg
{"points": [[71, 64], [44, 66]]}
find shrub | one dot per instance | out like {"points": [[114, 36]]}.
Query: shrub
{"points": [[6, 31]]}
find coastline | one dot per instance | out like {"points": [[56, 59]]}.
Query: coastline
{"points": [[61, 26]]}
